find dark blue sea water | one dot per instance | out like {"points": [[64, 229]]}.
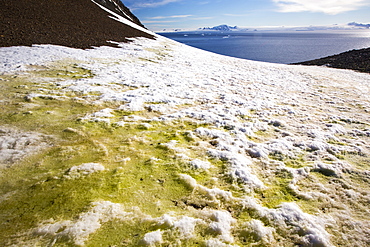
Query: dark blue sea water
{"points": [[276, 47]]}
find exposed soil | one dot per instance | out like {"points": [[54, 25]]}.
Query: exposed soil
{"points": [[78, 24], [358, 60]]}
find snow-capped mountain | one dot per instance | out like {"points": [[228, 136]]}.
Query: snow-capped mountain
{"points": [[227, 28], [220, 28], [360, 25]]}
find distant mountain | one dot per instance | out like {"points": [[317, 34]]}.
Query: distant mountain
{"points": [[79, 24], [355, 24], [225, 28]]}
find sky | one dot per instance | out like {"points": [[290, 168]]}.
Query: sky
{"points": [[157, 15]]}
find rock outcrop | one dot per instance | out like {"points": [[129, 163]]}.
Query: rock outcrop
{"points": [[355, 59], [79, 24]]}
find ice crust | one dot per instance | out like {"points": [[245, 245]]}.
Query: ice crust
{"points": [[256, 117]]}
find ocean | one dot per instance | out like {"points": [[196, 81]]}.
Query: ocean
{"points": [[276, 47]]}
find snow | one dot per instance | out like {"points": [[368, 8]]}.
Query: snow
{"points": [[214, 242], [84, 169], [120, 9], [89, 222], [213, 194], [222, 225], [200, 164], [261, 232], [105, 113], [184, 225], [253, 116], [119, 18], [226, 151], [311, 228], [16, 144], [152, 238]]}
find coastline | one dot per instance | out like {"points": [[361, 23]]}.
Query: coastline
{"points": [[276, 47], [358, 60]]}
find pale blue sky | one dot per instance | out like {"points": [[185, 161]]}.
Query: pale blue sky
{"points": [[160, 14]]}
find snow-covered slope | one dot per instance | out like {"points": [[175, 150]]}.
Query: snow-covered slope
{"points": [[159, 143], [155, 143]]}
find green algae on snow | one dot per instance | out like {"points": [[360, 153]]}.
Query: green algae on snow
{"points": [[139, 171], [278, 190], [62, 70], [297, 161], [143, 161]]}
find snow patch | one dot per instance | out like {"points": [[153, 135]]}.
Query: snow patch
{"points": [[214, 194], [222, 224], [152, 238], [200, 164], [185, 225], [15, 145], [311, 229], [84, 169], [87, 223], [259, 232]]}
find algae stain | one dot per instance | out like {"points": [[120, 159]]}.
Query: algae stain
{"points": [[63, 70], [120, 233], [39, 187], [278, 190], [139, 174], [141, 171], [296, 162]]}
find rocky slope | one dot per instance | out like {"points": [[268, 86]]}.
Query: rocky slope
{"points": [[358, 60], [79, 24]]}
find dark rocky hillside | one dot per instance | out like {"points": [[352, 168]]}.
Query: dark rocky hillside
{"points": [[119, 8], [358, 60], [72, 23]]}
